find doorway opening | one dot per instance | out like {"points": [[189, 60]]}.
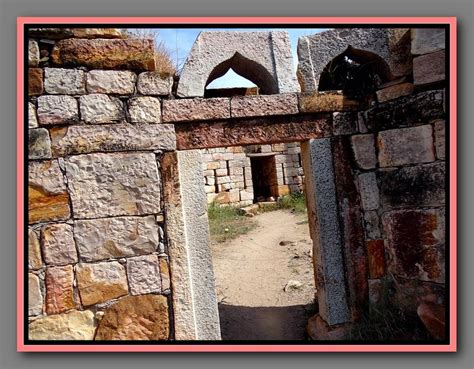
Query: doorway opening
{"points": [[260, 246]]}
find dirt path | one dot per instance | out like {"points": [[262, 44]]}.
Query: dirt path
{"points": [[252, 272]]}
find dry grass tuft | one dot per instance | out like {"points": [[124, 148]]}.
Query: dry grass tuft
{"points": [[163, 61]]}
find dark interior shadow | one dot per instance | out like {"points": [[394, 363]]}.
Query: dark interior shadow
{"points": [[265, 323]]}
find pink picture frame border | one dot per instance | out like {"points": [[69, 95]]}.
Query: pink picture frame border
{"points": [[451, 347]]}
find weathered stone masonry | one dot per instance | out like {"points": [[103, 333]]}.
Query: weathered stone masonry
{"points": [[110, 217]]}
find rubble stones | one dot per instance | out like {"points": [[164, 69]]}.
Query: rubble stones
{"points": [[34, 252]]}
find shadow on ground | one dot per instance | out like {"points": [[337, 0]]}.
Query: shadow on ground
{"points": [[264, 323]]}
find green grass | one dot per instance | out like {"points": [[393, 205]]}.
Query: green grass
{"points": [[295, 201], [228, 222]]}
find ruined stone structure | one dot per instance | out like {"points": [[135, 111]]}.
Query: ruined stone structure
{"points": [[118, 237], [242, 175]]}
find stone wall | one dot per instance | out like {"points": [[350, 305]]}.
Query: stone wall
{"points": [[103, 124], [391, 174], [97, 252], [228, 172]]}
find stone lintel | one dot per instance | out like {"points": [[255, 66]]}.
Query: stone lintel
{"points": [[252, 131]]}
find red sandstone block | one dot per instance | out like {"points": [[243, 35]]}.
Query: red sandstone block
{"points": [[376, 256], [35, 81]]}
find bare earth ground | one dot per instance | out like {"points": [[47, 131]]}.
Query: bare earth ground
{"points": [[252, 272]]}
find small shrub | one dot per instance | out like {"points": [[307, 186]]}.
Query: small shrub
{"points": [[228, 222], [295, 201]]}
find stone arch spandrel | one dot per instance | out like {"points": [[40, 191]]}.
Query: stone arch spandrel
{"points": [[268, 52], [316, 51]]}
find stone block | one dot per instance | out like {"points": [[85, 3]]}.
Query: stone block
{"points": [[262, 57], [196, 109], [113, 184], [405, 111], [39, 144], [364, 151], [342, 124], [421, 185], [137, 318], [97, 33], [153, 83], [395, 91], [35, 297], [34, 251], [73, 325], [429, 68], [369, 191], [406, 146], [245, 195], [129, 54], [327, 102], [427, 40], [144, 109], [59, 247], [376, 256], [100, 108], [82, 139], [35, 81], [144, 274], [111, 82], [61, 81], [416, 243], [33, 53], [261, 105], [101, 282], [48, 199], [119, 237], [440, 139], [57, 109], [32, 120], [59, 289]]}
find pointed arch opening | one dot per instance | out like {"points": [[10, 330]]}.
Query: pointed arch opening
{"points": [[248, 69], [356, 72]]}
